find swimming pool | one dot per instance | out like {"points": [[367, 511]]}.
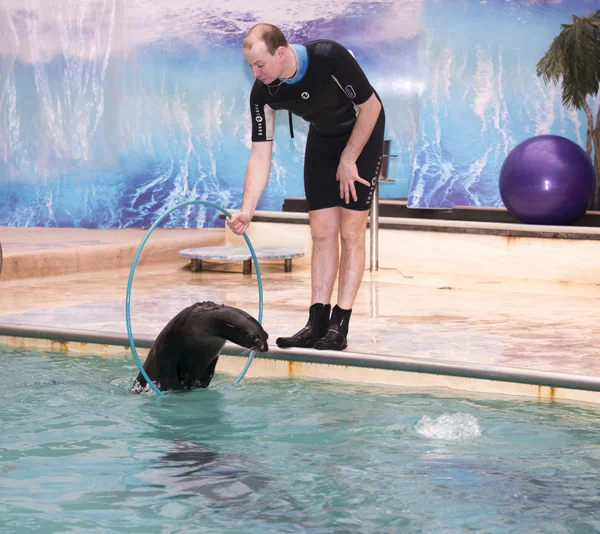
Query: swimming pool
{"points": [[79, 452]]}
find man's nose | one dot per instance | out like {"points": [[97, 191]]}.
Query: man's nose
{"points": [[255, 72]]}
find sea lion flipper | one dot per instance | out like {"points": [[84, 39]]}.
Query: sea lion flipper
{"points": [[169, 371], [208, 374]]}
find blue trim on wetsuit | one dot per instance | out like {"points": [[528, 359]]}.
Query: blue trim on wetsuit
{"points": [[302, 56]]}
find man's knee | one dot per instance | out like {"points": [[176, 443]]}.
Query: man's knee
{"points": [[323, 234], [353, 227], [324, 225]]}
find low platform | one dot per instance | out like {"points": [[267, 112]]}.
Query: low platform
{"points": [[197, 255], [397, 208]]}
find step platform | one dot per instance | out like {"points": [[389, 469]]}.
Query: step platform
{"points": [[198, 255]]}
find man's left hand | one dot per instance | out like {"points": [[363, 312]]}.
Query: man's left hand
{"points": [[347, 174]]}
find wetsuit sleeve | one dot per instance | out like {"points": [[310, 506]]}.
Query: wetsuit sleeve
{"points": [[263, 116], [349, 76]]}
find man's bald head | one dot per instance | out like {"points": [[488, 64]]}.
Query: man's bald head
{"points": [[269, 34]]}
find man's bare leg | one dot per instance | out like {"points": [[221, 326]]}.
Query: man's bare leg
{"points": [[353, 225], [325, 230]]}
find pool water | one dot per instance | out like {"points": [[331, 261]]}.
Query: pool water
{"points": [[78, 452]]}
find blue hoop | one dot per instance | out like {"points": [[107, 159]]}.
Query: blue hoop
{"points": [[130, 282]]}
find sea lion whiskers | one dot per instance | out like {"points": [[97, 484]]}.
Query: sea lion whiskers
{"points": [[245, 352]]}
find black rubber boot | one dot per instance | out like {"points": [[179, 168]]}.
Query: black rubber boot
{"points": [[318, 321], [336, 336]]}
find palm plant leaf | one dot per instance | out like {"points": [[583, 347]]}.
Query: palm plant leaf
{"points": [[574, 58]]}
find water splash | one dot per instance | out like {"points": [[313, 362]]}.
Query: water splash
{"points": [[449, 427]]}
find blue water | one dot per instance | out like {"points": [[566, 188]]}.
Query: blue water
{"points": [[79, 453]]}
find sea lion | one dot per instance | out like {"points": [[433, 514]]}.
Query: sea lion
{"points": [[185, 353]]}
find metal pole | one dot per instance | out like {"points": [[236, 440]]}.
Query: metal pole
{"points": [[374, 223]]}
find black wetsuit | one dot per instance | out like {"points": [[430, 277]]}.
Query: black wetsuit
{"points": [[327, 95]]}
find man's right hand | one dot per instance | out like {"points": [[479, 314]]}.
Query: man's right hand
{"points": [[239, 222]]}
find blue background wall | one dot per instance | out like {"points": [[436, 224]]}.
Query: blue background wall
{"points": [[482, 95], [112, 111]]}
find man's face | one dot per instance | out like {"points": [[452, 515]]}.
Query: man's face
{"points": [[265, 67]]}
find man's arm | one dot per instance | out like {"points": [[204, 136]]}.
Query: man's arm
{"points": [[255, 181], [347, 173], [257, 175], [353, 82], [363, 128]]}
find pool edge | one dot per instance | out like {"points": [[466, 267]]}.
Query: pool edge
{"points": [[330, 365]]}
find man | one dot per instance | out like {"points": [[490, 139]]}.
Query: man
{"points": [[322, 83]]}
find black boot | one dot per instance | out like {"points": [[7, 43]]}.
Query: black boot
{"points": [[318, 320], [337, 333]]}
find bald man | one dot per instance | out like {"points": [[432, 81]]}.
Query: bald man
{"points": [[321, 82]]}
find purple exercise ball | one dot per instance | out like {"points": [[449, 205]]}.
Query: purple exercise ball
{"points": [[547, 179]]}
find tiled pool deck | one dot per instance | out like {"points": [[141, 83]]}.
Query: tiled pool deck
{"points": [[439, 322]]}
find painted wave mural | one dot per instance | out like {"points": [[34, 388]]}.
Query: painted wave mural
{"points": [[482, 95], [114, 111]]}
